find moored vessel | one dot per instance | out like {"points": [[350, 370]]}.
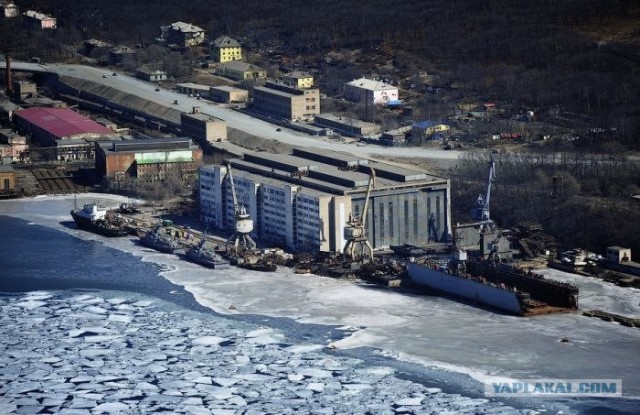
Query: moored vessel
{"points": [[159, 240], [205, 256], [98, 219]]}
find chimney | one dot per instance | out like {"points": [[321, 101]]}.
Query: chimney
{"points": [[196, 110], [8, 77]]}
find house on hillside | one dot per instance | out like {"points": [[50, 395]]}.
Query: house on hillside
{"points": [[225, 49], [298, 79], [240, 71], [11, 10], [369, 91], [184, 34]]}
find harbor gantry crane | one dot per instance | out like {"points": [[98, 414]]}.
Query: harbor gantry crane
{"points": [[481, 210], [355, 231], [243, 224]]}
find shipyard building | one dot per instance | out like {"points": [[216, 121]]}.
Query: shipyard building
{"points": [[302, 201]]}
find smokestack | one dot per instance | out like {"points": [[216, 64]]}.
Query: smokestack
{"points": [[9, 81]]}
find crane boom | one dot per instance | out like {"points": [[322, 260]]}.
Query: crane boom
{"points": [[492, 177], [233, 190], [372, 179]]}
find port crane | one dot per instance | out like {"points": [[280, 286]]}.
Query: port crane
{"points": [[355, 231], [481, 210], [243, 224]]}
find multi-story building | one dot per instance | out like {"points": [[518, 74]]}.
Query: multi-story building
{"points": [[40, 20], [303, 201], [240, 71], [184, 34], [226, 49], [368, 91], [228, 94], [13, 146], [298, 79], [203, 128], [148, 160], [285, 102]]}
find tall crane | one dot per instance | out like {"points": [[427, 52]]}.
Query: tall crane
{"points": [[243, 224], [355, 230], [481, 209]]}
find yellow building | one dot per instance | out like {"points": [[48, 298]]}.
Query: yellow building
{"points": [[298, 79], [225, 49]]}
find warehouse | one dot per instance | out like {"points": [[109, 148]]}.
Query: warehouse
{"points": [[302, 201]]}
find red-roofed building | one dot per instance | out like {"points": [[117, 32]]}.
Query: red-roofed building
{"points": [[47, 126]]}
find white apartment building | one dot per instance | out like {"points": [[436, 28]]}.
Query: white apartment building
{"points": [[369, 91]]}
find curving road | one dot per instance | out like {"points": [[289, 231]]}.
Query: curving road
{"points": [[234, 119]]}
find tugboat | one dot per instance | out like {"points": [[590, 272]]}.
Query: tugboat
{"points": [[207, 257], [159, 240], [95, 218]]}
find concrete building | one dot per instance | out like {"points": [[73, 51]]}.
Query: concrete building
{"points": [[151, 75], [225, 49], [95, 48], [396, 137], [148, 160], [203, 128], [228, 94], [298, 79], [47, 126], [13, 146], [302, 201], [240, 71], [23, 89], [190, 88], [7, 178], [285, 102], [122, 55], [184, 34], [40, 20], [347, 126], [369, 91]]}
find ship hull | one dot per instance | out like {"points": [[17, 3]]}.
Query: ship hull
{"points": [[466, 289], [204, 261], [96, 227], [167, 249]]}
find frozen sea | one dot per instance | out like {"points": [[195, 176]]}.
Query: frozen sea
{"points": [[324, 345]]}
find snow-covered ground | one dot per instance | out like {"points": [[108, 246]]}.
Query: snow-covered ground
{"points": [[430, 331]]}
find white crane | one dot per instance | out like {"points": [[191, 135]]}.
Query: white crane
{"points": [[243, 224], [355, 231], [481, 210]]}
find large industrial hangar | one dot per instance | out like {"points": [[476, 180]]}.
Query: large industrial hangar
{"points": [[303, 200]]}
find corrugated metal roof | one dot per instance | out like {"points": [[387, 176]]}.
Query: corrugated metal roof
{"points": [[62, 122]]}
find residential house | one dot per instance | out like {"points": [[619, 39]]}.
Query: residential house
{"points": [[184, 34], [240, 71], [226, 49], [40, 20]]}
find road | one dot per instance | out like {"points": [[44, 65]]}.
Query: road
{"points": [[234, 119]]}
